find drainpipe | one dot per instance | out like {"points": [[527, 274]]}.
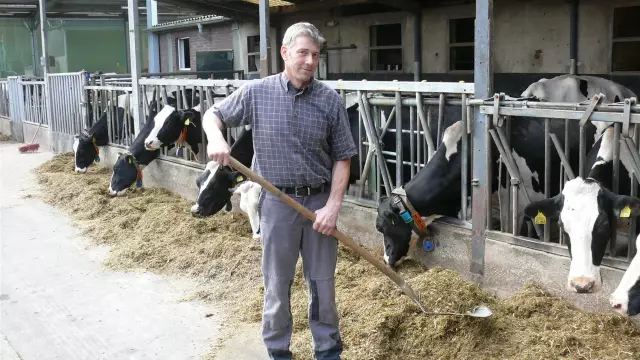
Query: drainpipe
{"points": [[417, 45], [573, 37]]}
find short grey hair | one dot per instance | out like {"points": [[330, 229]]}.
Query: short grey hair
{"points": [[302, 29]]}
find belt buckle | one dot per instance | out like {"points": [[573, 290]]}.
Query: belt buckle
{"points": [[297, 193]]}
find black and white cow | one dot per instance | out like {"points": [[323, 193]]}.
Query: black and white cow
{"points": [[216, 180], [587, 211], [625, 299], [435, 190], [172, 125], [128, 167], [86, 146]]}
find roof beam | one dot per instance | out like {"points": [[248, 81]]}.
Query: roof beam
{"points": [[405, 5], [315, 6]]}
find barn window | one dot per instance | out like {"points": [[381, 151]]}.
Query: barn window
{"points": [[184, 55], [253, 54], [461, 37], [626, 39], [385, 49]]}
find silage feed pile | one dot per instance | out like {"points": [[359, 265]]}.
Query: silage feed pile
{"points": [[153, 230], [4, 137]]}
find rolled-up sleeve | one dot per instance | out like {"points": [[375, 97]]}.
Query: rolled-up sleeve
{"points": [[235, 110], [341, 140]]}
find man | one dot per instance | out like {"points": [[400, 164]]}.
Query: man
{"points": [[303, 145]]}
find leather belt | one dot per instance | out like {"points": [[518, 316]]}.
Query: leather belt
{"points": [[300, 191]]}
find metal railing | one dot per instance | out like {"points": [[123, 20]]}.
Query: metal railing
{"points": [[500, 113], [34, 101], [67, 102], [393, 123]]}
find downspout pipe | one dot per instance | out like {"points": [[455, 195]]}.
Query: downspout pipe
{"points": [[573, 38]]}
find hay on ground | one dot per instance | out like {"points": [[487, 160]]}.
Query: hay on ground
{"points": [[153, 230], [4, 137]]}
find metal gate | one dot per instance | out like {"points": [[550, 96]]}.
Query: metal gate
{"points": [[66, 102], [16, 107]]}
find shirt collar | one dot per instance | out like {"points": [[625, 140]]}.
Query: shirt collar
{"points": [[287, 86]]}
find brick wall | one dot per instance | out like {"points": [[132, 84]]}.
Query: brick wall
{"points": [[220, 37]]}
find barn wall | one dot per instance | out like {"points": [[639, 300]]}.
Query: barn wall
{"points": [[220, 37], [5, 125], [531, 40]]}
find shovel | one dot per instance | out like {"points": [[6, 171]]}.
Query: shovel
{"points": [[478, 311], [404, 286]]}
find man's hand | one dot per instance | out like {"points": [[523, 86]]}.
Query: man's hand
{"points": [[218, 151], [326, 219]]}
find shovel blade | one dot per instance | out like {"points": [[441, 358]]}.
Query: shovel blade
{"points": [[480, 312]]}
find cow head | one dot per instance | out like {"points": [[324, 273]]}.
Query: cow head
{"points": [[586, 211], [434, 192], [396, 233], [85, 152], [125, 172], [166, 128], [626, 298], [214, 184]]}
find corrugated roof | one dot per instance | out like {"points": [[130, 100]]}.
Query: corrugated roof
{"points": [[182, 23], [195, 19], [272, 3]]}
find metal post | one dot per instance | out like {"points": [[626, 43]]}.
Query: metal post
{"points": [[483, 80], [399, 155], [134, 56], [417, 45], [573, 37], [265, 49], [33, 24], [44, 60], [152, 37]]}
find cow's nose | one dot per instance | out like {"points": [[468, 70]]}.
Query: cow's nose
{"points": [[583, 285], [195, 209], [618, 307]]}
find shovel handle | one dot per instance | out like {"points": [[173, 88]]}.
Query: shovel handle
{"points": [[404, 286]]}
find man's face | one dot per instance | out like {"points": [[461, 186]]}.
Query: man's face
{"points": [[301, 59]]}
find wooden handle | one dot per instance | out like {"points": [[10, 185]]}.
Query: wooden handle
{"points": [[404, 286]]}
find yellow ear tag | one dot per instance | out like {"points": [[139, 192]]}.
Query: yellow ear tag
{"points": [[129, 160], [540, 219], [94, 139], [625, 212], [186, 122], [239, 178]]}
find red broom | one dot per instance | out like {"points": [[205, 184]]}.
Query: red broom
{"points": [[31, 147]]}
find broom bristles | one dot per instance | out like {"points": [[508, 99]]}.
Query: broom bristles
{"points": [[29, 147]]}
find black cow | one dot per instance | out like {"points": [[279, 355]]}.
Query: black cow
{"points": [[435, 190]]}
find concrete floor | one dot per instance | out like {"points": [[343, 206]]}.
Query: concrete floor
{"points": [[57, 301]]}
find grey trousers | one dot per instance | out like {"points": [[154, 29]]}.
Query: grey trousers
{"points": [[285, 235]]}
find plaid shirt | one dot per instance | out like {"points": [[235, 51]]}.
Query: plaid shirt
{"points": [[297, 134]]}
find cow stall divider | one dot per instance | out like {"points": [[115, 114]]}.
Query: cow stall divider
{"points": [[501, 112], [4, 99]]}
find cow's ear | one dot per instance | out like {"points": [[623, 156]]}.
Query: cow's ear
{"points": [[236, 177], [626, 206], [545, 209]]}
